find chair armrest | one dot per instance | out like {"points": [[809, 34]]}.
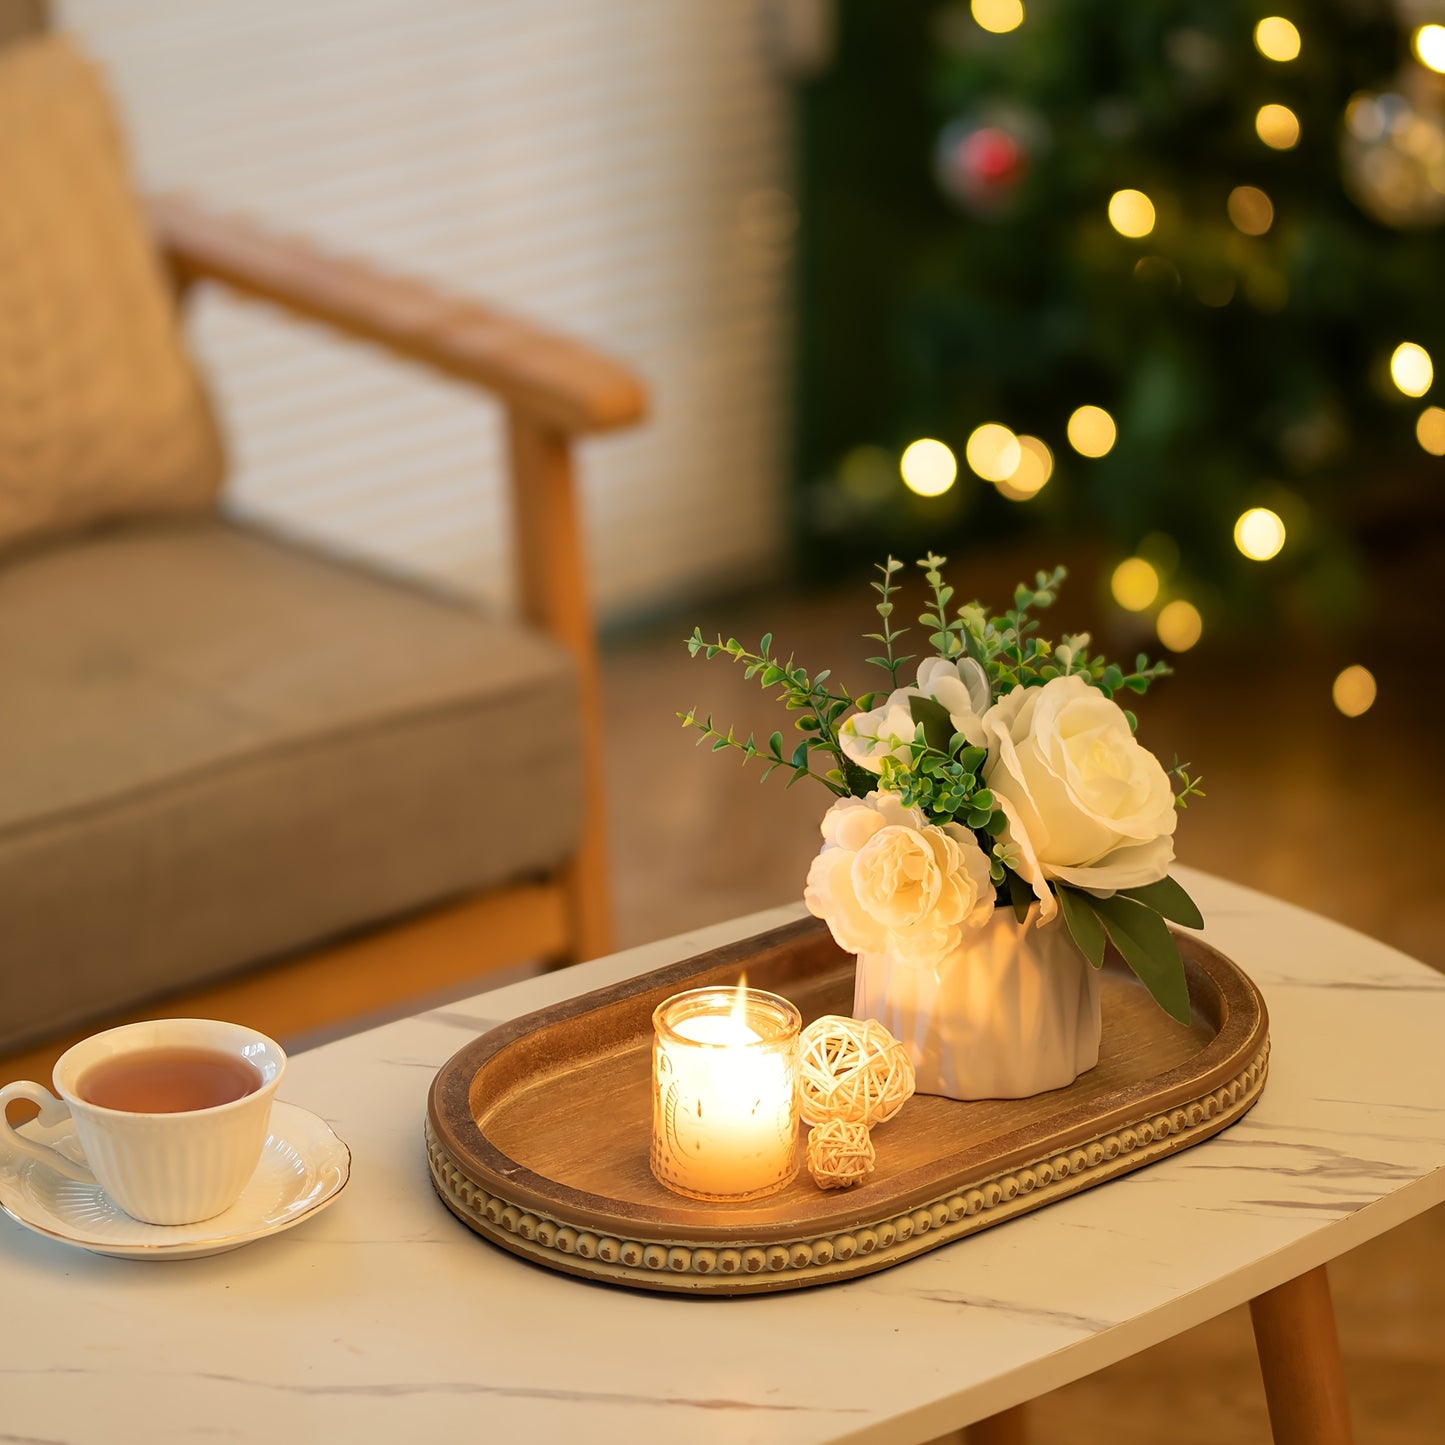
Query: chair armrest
{"points": [[563, 383]]}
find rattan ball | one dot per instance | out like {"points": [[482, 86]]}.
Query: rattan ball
{"points": [[853, 1070], [840, 1154]]}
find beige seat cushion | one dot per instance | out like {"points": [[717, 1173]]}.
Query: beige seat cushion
{"points": [[101, 412], [215, 748]]}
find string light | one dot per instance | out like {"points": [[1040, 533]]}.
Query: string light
{"points": [[1092, 431], [998, 16], [1411, 369], [1135, 584], [1430, 430], [1251, 210], [1179, 625], [1430, 47], [1276, 38], [1354, 690], [1131, 213], [1278, 127], [993, 451], [1259, 534], [928, 467], [1036, 466]]}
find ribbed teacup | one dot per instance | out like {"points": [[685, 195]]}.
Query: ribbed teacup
{"points": [[161, 1168]]}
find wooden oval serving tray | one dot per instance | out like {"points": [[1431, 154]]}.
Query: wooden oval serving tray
{"points": [[537, 1132]]}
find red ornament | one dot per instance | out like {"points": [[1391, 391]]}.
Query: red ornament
{"points": [[980, 166]]}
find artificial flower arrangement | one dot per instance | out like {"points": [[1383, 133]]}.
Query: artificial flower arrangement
{"points": [[1006, 778]]}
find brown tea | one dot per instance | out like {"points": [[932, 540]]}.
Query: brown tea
{"points": [[168, 1081]]}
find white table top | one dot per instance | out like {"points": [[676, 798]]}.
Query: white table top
{"points": [[385, 1319]]}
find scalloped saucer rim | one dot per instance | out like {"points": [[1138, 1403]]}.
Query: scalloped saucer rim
{"points": [[304, 1167]]}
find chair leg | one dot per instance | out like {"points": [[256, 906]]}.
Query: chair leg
{"points": [[1299, 1357]]}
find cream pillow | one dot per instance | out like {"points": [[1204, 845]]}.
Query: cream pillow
{"points": [[102, 414]]}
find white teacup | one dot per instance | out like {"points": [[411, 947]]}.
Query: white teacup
{"points": [[161, 1168]]}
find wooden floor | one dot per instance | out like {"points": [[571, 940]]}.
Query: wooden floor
{"points": [[1342, 816]]}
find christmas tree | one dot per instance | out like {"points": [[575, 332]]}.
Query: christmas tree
{"points": [[1166, 273]]}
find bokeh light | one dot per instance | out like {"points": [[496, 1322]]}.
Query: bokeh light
{"points": [[998, 16], [1259, 534], [1251, 210], [1430, 430], [1278, 127], [1411, 369], [1179, 625], [1036, 466], [928, 467], [1135, 584], [1276, 38], [866, 472], [1430, 47], [1354, 690], [1092, 431], [993, 452], [1131, 213]]}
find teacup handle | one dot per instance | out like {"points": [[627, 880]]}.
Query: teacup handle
{"points": [[52, 1111]]}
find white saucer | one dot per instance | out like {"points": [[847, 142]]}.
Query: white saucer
{"points": [[303, 1167]]}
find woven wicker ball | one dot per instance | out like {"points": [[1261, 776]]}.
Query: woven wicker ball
{"points": [[853, 1070], [840, 1154]]}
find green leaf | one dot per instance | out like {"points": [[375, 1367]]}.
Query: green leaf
{"points": [[800, 755], [1020, 895], [766, 643], [1083, 923], [858, 780], [1169, 898], [1148, 948], [972, 759], [932, 716]]}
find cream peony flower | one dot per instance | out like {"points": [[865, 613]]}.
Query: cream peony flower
{"points": [[888, 882], [962, 687], [1091, 805]]}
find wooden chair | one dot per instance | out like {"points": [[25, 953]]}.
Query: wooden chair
{"points": [[555, 391]]}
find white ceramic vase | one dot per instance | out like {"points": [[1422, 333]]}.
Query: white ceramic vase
{"points": [[1013, 1012]]}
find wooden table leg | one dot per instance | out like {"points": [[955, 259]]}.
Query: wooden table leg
{"points": [[1009, 1428], [1299, 1357]]}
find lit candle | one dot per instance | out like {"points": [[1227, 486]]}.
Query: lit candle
{"points": [[724, 1093]]}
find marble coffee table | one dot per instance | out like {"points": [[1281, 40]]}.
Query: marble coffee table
{"points": [[384, 1319]]}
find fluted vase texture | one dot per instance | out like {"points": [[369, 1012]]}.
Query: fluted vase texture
{"points": [[1013, 1012]]}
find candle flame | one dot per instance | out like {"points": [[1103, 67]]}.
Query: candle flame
{"points": [[739, 1012]]}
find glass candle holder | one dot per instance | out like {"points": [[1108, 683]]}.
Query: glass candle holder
{"points": [[725, 1093]]}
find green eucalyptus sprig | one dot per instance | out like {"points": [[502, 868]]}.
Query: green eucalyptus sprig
{"points": [[884, 608], [1012, 655], [798, 692]]}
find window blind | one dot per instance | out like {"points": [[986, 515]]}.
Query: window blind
{"points": [[616, 170]]}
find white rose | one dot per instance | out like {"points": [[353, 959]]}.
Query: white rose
{"points": [[888, 882], [1092, 806], [1025, 862], [961, 687]]}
